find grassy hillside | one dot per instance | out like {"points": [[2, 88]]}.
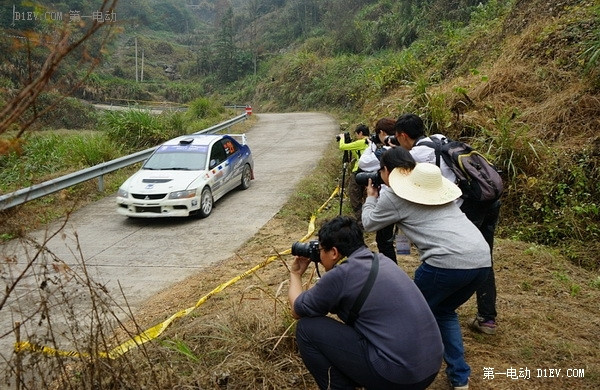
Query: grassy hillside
{"points": [[519, 81]]}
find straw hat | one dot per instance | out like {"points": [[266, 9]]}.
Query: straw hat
{"points": [[424, 185]]}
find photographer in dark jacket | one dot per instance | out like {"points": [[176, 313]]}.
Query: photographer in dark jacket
{"points": [[393, 342]]}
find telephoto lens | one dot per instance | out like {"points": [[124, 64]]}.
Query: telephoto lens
{"points": [[309, 249], [362, 178]]}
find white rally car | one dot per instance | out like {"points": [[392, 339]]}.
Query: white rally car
{"points": [[186, 175]]}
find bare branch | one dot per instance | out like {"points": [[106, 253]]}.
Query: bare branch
{"points": [[61, 48]]}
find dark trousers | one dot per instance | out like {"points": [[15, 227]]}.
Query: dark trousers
{"points": [[385, 242], [485, 216], [337, 356], [357, 194]]}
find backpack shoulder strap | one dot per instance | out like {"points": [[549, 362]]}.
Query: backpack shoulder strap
{"points": [[364, 293], [435, 144]]}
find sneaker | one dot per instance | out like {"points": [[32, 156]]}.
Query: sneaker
{"points": [[487, 327], [458, 387]]}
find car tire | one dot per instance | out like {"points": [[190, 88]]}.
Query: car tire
{"points": [[206, 203], [246, 177]]}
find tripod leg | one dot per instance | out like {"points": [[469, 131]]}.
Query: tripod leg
{"points": [[342, 189]]}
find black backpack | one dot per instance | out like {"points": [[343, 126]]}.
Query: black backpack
{"points": [[477, 178]]}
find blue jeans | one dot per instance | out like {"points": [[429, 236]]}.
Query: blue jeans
{"points": [[445, 290]]}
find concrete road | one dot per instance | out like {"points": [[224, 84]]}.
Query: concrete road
{"points": [[141, 257]]}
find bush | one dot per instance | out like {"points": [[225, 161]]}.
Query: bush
{"points": [[47, 154], [134, 129], [202, 108], [67, 113]]}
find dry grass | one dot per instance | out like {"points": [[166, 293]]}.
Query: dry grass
{"points": [[241, 338]]}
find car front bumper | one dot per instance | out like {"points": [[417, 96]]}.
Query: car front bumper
{"points": [[156, 209]]}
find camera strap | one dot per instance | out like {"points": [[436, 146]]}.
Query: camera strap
{"points": [[364, 293]]}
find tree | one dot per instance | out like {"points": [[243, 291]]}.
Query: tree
{"points": [[59, 40], [226, 49]]}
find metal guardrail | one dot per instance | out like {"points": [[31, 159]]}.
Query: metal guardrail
{"points": [[48, 187]]}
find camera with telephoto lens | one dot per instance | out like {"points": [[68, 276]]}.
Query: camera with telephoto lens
{"points": [[362, 178], [347, 138], [309, 249], [391, 140]]}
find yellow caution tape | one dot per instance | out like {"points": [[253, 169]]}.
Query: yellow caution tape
{"points": [[157, 330]]}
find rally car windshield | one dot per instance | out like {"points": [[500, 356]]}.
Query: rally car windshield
{"points": [[175, 157]]}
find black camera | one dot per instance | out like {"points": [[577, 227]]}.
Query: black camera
{"points": [[362, 178], [347, 138], [391, 140], [309, 249], [374, 138]]}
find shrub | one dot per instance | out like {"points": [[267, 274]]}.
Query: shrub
{"points": [[203, 108], [134, 129], [66, 113]]}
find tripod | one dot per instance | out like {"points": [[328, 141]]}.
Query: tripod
{"points": [[345, 161]]}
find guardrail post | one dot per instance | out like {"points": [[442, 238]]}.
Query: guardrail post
{"points": [[101, 183]]}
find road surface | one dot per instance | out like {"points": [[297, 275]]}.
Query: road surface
{"points": [[140, 257]]}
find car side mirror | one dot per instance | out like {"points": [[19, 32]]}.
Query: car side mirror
{"points": [[213, 163]]}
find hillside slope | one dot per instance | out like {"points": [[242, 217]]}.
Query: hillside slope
{"points": [[243, 336], [519, 82]]}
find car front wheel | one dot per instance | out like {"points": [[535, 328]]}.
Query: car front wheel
{"points": [[206, 203], [246, 177]]}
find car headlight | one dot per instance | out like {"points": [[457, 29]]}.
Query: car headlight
{"points": [[182, 194], [122, 193]]}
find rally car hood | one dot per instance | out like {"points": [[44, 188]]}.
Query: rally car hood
{"points": [[148, 181]]}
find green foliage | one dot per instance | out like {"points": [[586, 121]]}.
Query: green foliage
{"points": [[50, 153], [202, 108], [395, 70], [177, 92], [68, 113], [514, 150], [135, 129], [108, 89], [559, 207], [163, 15], [591, 55], [182, 348]]}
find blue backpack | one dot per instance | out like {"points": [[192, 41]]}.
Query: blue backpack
{"points": [[477, 178]]}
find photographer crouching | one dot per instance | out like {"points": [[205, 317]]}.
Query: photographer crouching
{"points": [[388, 339]]}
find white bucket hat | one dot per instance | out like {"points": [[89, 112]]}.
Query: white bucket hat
{"points": [[424, 185]]}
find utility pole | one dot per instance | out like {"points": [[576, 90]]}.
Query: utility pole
{"points": [[142, 75], [136, 65]]}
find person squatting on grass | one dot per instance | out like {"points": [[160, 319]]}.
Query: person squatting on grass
{"points": [[392, 343], [455, 258], [410, 133]]}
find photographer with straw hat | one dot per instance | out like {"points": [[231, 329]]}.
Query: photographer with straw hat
{"points": [[455, 258]]}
